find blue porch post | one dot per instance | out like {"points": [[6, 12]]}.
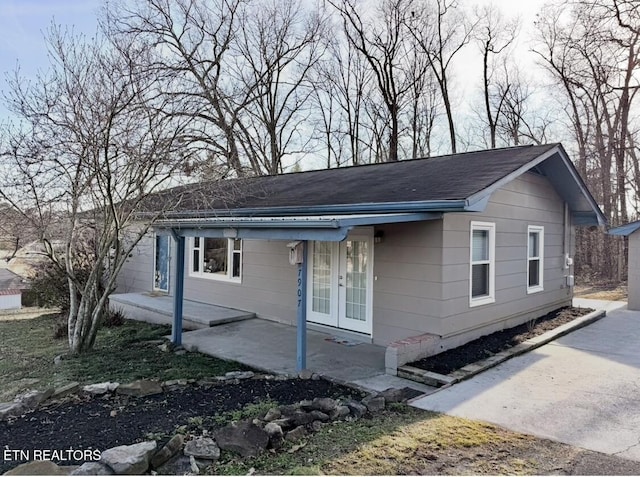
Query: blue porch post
{"points": [[178, 296], [301, 362]]}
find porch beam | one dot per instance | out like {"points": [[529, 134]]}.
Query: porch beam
{"points": [[301, 361], [178, 295]]}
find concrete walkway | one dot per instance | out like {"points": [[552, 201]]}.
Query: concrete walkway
{"points": [[271, 347], [582, 389]]}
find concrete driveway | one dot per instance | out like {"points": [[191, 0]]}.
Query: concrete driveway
{"points": [[583, 389]]}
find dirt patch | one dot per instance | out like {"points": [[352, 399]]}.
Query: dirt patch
{"points": [[486, 346], [602, 292], [100, 423]]}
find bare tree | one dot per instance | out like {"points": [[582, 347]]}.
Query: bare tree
{"points": [[342, 81], [592, 51], [442, 30], [277, 45], [89, 149], [380, 38], [189, 43], [494, 36]]}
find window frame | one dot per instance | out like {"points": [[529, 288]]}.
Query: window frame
{"points": [[539, 229], [490, 227], [231, 252]]}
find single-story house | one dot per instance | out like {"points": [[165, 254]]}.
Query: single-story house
{"points": [[11, 286], [419, 255], [633, 263]]}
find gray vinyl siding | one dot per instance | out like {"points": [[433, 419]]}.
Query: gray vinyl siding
{"points": [[528, 200], [407, 280], [136, 275], [268, 286]]}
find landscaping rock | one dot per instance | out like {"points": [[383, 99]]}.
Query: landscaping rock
{"points": [[32, 399], [166, 347], [174, 384], [296, 434], [394, 395], [315, 377], [133, 459], [140, 388], [39, 467], [202, 448], [325, 404], [273, 430], [100, 388], [272, 414], [93, 468], [193, 464], [178, 465], [239, 375], [339, 412], [305, 374], [243, 437], [57, 361], [289, 410], [317, 425], [285, 423], [357, 408], [170, 449], [374, 403], [10, 409], [180, 352], [65, 390], [301, 418], [321, 416]]}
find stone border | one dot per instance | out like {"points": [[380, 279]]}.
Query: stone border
{"points": [[441, 380], [192, 453]]}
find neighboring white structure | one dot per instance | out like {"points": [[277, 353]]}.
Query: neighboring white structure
{"points": [[11, 286]]}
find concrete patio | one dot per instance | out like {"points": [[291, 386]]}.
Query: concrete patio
{"points": [[158, 309], [271, 346]]}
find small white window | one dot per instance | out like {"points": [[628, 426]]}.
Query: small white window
{"points": [[216, 258], [535, 259], [482, 263]]}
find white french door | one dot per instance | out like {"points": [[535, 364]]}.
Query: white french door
{"points": [[340, 277]]}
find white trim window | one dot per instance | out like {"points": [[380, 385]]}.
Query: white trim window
{"points": [[216, 258], [482, 269], [535, 258]]}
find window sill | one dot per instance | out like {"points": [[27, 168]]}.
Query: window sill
{"points": [[214, 277], [531, 290], [483, 300]]}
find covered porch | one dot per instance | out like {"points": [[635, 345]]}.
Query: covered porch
{"points": [[271, 347], [299, 230]]}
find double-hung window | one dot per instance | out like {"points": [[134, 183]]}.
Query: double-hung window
{"points": [[535, 259], [216, 258], [482, 263]]}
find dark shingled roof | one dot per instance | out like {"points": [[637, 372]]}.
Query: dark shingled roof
{"points": [[451, 177]]}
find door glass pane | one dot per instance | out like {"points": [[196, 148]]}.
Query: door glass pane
{"points": [[161, 279], [356, 306], [321, 302], [480, 245]]}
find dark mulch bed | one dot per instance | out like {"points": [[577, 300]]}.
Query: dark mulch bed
{"points": [[86, 423], [486, 346]]}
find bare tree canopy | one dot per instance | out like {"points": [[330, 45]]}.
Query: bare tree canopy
{"points": [[90, 146]]}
